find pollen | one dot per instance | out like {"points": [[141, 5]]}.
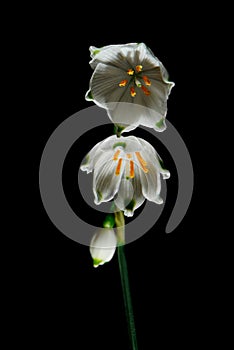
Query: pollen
{"points": [[133, 92], [118, 168], [146, 80], [129, 155], [131, 169], [139, 68], [142, 162], [130, 71], [146, 91], [123, 83], [116, 155]]}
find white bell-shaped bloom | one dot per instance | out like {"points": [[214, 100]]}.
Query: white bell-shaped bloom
{"points": [[131, 84], [102, 246], [127, 169]]}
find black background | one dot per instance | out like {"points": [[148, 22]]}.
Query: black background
{"points": [[66, 299]]}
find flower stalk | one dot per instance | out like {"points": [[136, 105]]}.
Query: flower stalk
{"points": [[120, 228], [120, 225]]}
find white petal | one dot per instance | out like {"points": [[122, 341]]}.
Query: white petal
{"points": [[112, 143], [138, 198], [103, 245], [104, 84], [151, 61], [130, 127], [129, 143], [149, 109], [130, 195], [157, 100], [147, 147], [134, 113], [96, 153], [89, 158], [137, 186], [149, 152], [94, 51], [125, 112], [112, 55], [126, 55], [108, 143], [125, 194], [165, 173], [159, 72], [105, 181], [159, 84], [151, 183], [134, 54], [132, 144]]}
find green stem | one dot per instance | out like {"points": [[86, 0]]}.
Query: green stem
{"points": [[118, 129], [119, 220], [120, 226]]}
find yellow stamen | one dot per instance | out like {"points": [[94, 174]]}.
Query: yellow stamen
{"points": [[146, 80], [142, 162], [146, 91], [123, 83], [133, 92], [130, 71], [116, 155], [129, 155], [131, 169], [118, 168], [139, 68]]}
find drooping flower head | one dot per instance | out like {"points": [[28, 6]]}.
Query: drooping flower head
{"points": [[131, 84], [127, 169]]}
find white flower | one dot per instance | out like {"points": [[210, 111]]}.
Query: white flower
{"points": [[127, 169], [131, 84], [102, 246]]}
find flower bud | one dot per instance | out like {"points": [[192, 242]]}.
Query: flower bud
{"points": [[102, 246]]}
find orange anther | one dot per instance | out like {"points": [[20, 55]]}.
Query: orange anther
{"points": [[123, 83], [130, 71], [146, 91], [118, 168], [133, 92], [142, 162], [139, 68], [146, 80], [131, 169], [116, 155]]}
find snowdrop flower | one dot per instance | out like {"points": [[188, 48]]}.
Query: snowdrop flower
{"points": [[127, 169], [131, 84], [102, 246]]}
